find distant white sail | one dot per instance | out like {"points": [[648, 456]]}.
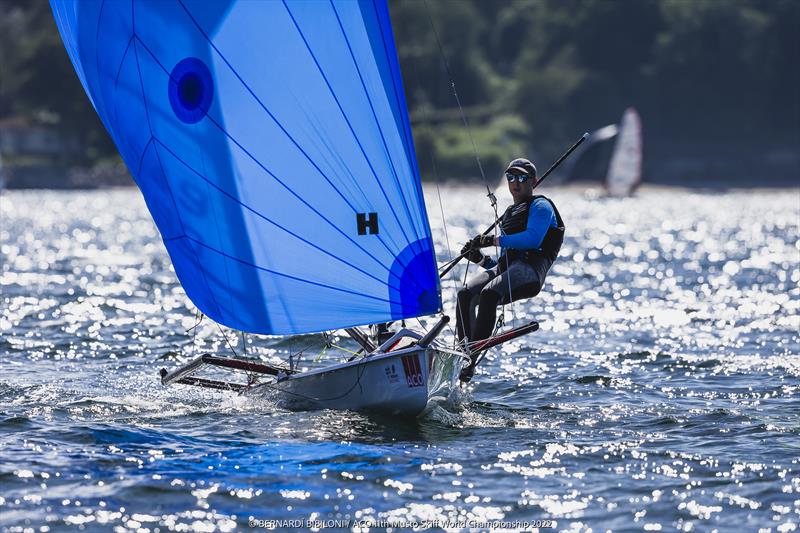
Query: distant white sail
{"points": [[625, 169]]}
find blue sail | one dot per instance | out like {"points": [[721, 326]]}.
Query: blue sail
{"points": [[272, 145]]}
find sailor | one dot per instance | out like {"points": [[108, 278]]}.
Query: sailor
{"points": [[531, 233]]}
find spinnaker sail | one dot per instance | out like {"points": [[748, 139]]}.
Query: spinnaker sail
{"points": [[272, 145]]}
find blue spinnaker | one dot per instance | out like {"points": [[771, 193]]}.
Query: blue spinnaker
{"points": [[272, 145]]}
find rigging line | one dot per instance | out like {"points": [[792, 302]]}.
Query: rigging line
{"points": [[510, 295], [360, 373], [282, 128], [412, 278], [436, 174], [444, 220], [226, 339], [198, 318], [299, 354], [489, 192], [377, 123]]}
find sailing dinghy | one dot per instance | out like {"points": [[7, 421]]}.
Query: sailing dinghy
{"points": [[625, 168], [612, 155], [272, 145]]}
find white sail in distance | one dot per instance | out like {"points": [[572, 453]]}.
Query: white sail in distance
{"points": [[625, 169]]}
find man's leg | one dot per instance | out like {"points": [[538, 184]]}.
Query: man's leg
{"points": [[520, 280], [487, 311], [467, 301], [487, 304]]}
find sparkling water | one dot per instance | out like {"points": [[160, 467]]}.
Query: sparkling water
{"points": [[661, 393]]}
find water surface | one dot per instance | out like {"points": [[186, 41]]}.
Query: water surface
{"points": [[661, 393]]}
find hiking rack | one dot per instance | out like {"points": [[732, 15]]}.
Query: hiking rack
{"points": [[183, 375]]}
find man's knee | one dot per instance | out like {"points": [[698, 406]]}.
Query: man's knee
{"points": [[527, 290], [489, 297]]}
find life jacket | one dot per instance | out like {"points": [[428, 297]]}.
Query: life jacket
{"points": [[515, 220]]}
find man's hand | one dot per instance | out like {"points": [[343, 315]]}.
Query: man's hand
{"points": [[472, 254], [483, 241]]}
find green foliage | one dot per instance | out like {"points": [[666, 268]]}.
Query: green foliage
{"points": [[37, 79], [445, 151], [708, 76], [531, 75]]}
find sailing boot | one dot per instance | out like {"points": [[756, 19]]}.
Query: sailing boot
{"points": [[466, 373]]}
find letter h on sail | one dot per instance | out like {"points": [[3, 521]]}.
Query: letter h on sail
{"points": [[367, 221]]}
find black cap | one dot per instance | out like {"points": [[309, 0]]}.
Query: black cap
{"points": [[522, 166]]}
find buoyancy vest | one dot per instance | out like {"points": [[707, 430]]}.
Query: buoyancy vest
{"points": [[515, 220]]}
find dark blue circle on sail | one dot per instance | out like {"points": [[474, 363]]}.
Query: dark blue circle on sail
{"points": [[190, 90], [413, 281]]}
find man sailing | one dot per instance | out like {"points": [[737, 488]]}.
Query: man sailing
{"points": [[531, 233]]}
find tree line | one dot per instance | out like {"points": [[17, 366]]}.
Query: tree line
{"points": [[711, 78]]}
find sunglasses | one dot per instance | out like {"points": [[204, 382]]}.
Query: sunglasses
{"points": [[522, 178]]}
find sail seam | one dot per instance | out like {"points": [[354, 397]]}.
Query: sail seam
{"points": [[166, 180], [264, 107], [334, 226], [122, 61], [260, 215], [407, 134], [269, 173], [363, 152], [347, 121], [116, 80], [288, 135], [409, 141], [219, 239], [377, 123], [97, 48], [289, 276]]}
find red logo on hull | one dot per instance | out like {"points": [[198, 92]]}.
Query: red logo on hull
{"points": [[412, 370]]}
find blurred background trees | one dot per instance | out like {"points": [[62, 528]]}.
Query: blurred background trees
{"points": [[716, 82]]}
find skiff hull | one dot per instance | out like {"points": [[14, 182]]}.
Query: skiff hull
{"points": [[397, 383]]}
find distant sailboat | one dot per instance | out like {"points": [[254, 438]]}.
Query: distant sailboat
{"points": [[625, 169], [612, 156], [272, 145]]}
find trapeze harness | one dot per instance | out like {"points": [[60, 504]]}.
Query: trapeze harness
{"points": [[515, 220]]}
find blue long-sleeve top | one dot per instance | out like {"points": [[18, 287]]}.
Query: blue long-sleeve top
{"points": [[540, 217]]}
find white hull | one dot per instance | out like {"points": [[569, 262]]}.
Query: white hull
{"points": [[399, 382]]}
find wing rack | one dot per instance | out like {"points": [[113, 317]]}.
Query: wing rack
{"points": [[183, 375], [491, 342]]}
